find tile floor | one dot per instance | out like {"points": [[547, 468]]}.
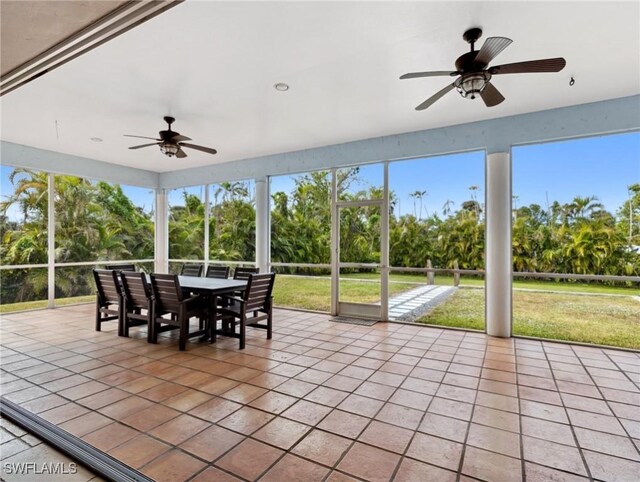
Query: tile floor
{"points": [[25, 458], [331, 402]]}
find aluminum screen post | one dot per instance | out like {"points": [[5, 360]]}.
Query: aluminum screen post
{"points": [[161, 220], [498, 244], [262, 225]]}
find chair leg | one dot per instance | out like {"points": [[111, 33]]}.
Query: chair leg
{"points": [[184, 328], [98, 324], [243, 332], [269, 322]]}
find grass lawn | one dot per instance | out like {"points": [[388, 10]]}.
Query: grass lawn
{"points": [[611, 321], [39, 305]]}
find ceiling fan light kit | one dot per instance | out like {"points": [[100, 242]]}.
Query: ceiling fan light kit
{"points": [[172, 142], [474, 73]]}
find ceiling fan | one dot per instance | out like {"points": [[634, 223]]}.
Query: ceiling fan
{"points": [[171, 142], [475, 74]]}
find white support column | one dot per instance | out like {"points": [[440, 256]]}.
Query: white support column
{"points": [[207, 212], [335, 244], [498, 244], [162, 232], [51, 241], [384, 248], [262, 225]]}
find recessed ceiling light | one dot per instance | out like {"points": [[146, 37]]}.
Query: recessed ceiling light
{"points": [[281, 86], [96, 139]]}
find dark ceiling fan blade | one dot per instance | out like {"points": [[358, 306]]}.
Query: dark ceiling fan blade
{"points": [[181, 153], [490, 95], [145, 145], [438, 73], [491, 48], [208, 150], [142, 137], [431, 100], [531, 66], [180, 138]]}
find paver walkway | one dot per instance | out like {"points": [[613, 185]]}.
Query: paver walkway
{"points": [[410, 305]]}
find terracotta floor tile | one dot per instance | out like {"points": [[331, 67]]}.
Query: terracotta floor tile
{"points": [[150, 418], [419, 385], [60, 384], [543, 411], [402, 416], [294, 468], [42, 404], [273, 402], [249, 459], [499, 402], [411, 399], [553, 455], [326, 396], [212, 443], [218, 386], [343, 423], [268, 380], [436, 451], [322, 447], [538, 473], [295, 388], [162, 391], [414, 471], [83, 390], [123, 408], [187, 400], [306, 412], [375, 390], [543, 429], [179, 429], [369, 463], [85, 424], [495, 440], [336, 476], [246, 420], [281, 432], [102, 399], [444, 427], [485, 465], [385, 436], [244, 393], [313, 376], [213, 474], [613, 469], [385, 378], [25, 395], [605, 443], [586, 404], [340, 382], [173, 466], [139, 451], [63, 413], [110, 436], [215, 409], [594, 421], [365, 406]]}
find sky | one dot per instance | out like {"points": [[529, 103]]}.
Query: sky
{"points": [[596, 166]]}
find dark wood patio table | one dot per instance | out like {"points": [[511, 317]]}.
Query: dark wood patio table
{"points": [[211, 288]]}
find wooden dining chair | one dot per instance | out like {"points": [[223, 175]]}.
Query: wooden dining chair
{"points": [[170, 300], [121, 267], [254, 306], [221, 272], [192, 270], [242, 272], [109, 302], [138, 302]]}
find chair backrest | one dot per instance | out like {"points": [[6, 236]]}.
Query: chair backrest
{"points": [[107, 285], [121, 267], [243, 273], [136, 289], [167, 292], [217, 271], [192, 270], [258, 292]]}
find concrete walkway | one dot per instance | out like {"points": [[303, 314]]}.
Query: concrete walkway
{"points": [[410, 305]]}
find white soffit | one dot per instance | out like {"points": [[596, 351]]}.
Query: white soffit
{"points": [[212, 65]]}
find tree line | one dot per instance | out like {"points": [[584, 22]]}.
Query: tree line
{"points": [[97, 221]]}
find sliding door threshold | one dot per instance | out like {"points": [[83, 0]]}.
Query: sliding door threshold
{"points": [[93, 459]]}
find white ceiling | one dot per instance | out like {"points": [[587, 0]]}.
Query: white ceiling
{"points": [[213, 65]]}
